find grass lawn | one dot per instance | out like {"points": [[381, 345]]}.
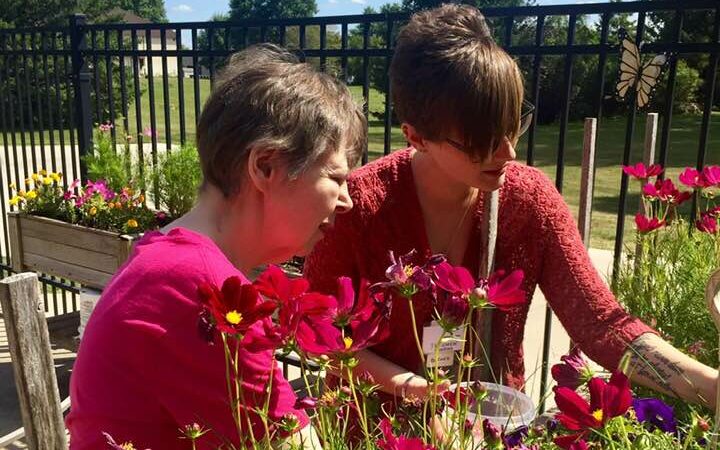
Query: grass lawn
{"points": [[684, 137]]}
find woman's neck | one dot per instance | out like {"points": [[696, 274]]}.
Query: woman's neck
{"points": [[435, 187], [215, 218]]}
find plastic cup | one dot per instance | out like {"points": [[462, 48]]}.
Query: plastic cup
{"points": [[505, 407]]}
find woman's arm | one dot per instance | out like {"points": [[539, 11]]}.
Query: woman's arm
{"points": [[392, 378], [305, 439], [658, 365]]}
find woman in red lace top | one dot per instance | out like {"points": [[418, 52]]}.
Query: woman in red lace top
{"points": [[459, 98]]}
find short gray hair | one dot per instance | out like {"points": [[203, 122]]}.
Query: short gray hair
{"points": [[266, 98]]}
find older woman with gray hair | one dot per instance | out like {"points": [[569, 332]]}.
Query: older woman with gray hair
{"points": [[276, 141]]}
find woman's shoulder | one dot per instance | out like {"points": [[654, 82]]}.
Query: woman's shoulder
{"points": [[525, 186], [373, 184]]}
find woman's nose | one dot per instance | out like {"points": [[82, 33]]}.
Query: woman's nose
{"points": [[345, 202]]}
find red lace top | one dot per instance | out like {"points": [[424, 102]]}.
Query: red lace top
{"points": [[536, 233]]}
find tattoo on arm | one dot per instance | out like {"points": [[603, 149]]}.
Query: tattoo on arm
{"points": [[647, 362]]}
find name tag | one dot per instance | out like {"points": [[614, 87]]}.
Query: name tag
{"points": [[447, 346]]}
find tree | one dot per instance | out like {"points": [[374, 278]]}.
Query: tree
{"points": [[268, 9], [39, 13]]}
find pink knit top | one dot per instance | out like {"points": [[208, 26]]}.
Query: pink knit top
{"points": [[536, 233]]}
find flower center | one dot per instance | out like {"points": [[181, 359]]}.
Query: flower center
{"points": [[598, 415], [348, 342], [234, 317]]}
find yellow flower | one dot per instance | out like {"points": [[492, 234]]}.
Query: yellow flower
{"points": [[111, 205], [56, 176], [21, 193], [35, 177], [141, 198], [13, 186], [28, 181], [47, 181], [31, 195], [348, 342], [93, 211], [43, 172], [15, 200], [132, 223]]}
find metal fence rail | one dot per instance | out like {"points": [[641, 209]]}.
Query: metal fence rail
{"points": [[55, 83]]}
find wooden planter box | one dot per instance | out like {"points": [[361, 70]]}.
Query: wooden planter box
{"points": [[78, 253]]}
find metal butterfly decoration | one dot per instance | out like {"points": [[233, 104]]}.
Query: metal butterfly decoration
{"points": [[635, 76]]}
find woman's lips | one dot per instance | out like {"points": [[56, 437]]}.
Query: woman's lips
{"points": [[495, 173]]}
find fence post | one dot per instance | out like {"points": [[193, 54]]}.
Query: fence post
{"points": [[32, 362], [81, 86], [587, 179]]}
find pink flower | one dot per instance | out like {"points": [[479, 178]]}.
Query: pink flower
{"points": [[392, 442], [640, 172], [405, 276], [105, 127], [707, 224], [149, 132], [666, 191], [504, 293], [646, 224], [690, 177], [711, 176]]}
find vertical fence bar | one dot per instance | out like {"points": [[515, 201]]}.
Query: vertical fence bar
{"points": [[507, 29], [21, 114], [282, 35], [28, 93], [71, 111], [81, 82], [620, 229], [387, 142], [302, 41], [343, 47], [670, 95], [109, 75], [587, 179], [710, 80], [211, 37], [537, 63], [139, 131], [151, 97], [38, 90], [181, 84], [58, 105], [366, 84], [166, 90], [559, 185], [602, 63], [196, 76], [11, 109], [51, 122], [123, 84], [323, 44], [3, 127], [96, 73]]}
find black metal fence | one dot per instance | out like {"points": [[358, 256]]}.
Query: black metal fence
{"points": [[150, 81]]}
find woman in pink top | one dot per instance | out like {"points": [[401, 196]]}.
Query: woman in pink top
{"points": [[459, 97], [276, 140]]}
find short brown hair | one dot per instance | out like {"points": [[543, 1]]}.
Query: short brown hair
{"points": [[448, 74], [267, 98]]}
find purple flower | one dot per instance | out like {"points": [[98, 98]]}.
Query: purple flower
{"points": [[515, 439], [573, 372], [407, 277], [656, 413]]}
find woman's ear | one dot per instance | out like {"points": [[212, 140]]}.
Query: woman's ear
{"points": [[413, 137], [263, 167]]}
